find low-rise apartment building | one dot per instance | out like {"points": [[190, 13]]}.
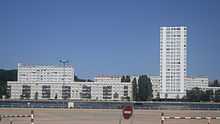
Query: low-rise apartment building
{"points": [[57, 82], [155, 80], [199, 81]]}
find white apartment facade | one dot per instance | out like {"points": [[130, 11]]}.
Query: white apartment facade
{"points": [[199, 82], [190, 82], [42, 81], [57, 82], [45, 73], [173, 61], [155, 80]]}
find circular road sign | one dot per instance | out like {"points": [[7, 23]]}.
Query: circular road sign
{"points": [[127, 111]]}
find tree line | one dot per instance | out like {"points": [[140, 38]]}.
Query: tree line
{"points": [[198, 95], [77, 79], [125, 78], [6, 75], [142, 88]]}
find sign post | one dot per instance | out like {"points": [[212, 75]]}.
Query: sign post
{"points": [[127, 111]]}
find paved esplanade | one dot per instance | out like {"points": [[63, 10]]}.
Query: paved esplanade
{"points": [[104, 116]]}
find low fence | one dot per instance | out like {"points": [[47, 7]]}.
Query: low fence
{"points": [[149, 105], [164, 118], [19, 116]]}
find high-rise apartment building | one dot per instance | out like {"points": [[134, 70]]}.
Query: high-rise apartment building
{"points": [[173, 61]]}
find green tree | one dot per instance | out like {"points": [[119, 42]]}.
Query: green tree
{"points": [[207, 95], [144, 88], [197, 95], [36, 96], [55, 96], [127, 78], [216, 83], [77, 79], [217, 95], [123, 78], [194, 95], [134, 89], [6, 75]]}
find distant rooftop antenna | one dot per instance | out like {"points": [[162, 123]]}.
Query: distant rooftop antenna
{"points": [[64, 61]]}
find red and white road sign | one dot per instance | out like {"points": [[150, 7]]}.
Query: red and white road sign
{"points": [[127, 111]]}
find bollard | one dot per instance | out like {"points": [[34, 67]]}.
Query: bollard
{"points": [[32, 116], [209, 120], [0, 118], [162, 118], [11, 122], [120, 119]]}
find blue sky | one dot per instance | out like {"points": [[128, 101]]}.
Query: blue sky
{"points": [[107, 36]]}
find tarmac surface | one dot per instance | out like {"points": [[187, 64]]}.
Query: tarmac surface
{"points": [[103, 116]]}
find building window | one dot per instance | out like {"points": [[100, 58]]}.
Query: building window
{"points": [[86, 92], [125, 93], [46, 91], [26, 92], [125, 87], [107, 92], [8, 91], [66, 92]]}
